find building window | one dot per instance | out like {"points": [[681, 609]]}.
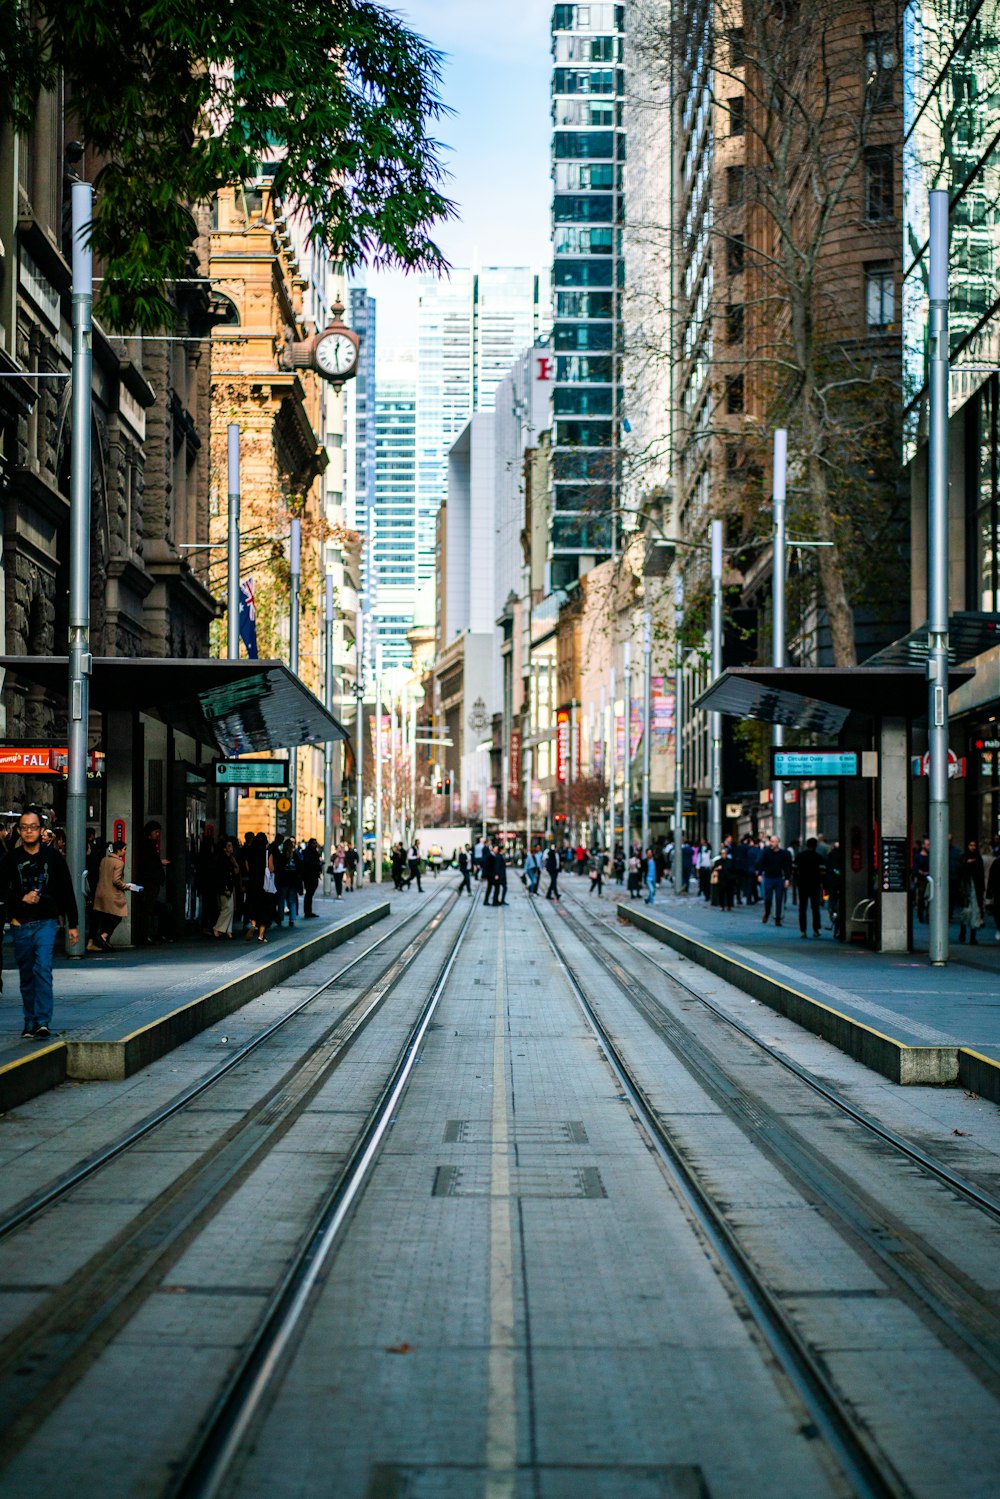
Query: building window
{"points": [[735, 254], [880, 69], [737, 107], [735, 186], [880, 298], [735, 323], [879, 184], [737, 48], [734, 394]]}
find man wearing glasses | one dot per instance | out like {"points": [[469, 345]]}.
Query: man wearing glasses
{"points": [[36, 891]]}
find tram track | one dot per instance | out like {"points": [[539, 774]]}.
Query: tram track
{"points": [[966, 1319], [30, 1207], [44, 1357]]}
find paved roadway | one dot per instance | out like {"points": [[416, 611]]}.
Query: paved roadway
{"points": [[520, 1304]]}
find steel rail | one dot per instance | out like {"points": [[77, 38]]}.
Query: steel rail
{"points": [[870, 1473], [919, 1157], [30, 1208], [237, 1407]]}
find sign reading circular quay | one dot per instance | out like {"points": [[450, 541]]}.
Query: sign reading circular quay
{"points": [[805, 764], [251, 772]]}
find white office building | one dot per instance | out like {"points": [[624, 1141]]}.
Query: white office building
{"points": [[393, 516]]}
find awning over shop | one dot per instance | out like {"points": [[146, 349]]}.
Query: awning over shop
{"points": [[821, 698], [241, 707], [970, 633]]}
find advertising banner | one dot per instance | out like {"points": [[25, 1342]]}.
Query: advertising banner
{"points": [[562, 745]]}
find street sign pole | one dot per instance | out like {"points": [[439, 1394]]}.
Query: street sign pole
{"points": [[328, 746], [715, 719], [378, 764], [233, 588], [778, 612], [80, 661], [680, 887], [627, 754], [293, 651], [937, 579], [647, 693]]}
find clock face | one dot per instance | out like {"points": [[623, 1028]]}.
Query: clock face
{"points": [[336, 354]]}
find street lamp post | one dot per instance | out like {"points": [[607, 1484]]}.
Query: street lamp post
{"points": [[233, 590], [378, 763], [627, 752], [610, 751], [293, 652], [678, 862], [647, 692], [937, 579], [80, 660], [778, 612], [359, 742], [328, 746], [715, 719]]}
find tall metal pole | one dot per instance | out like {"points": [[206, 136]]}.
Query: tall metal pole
{"points": [[937, 579], [604, 766], [647, 718], [378, 764], [413, 768], [328, 747], [627, 753], [611, 754], [527, 797], [715, 719], [680, 885], [233, 590], [394, 833], [293, 652], [778, 612], [80, 661], [359, 742]]}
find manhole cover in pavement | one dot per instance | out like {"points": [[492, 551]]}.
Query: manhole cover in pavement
{"points": [[550, 1182], [453, 1481]]}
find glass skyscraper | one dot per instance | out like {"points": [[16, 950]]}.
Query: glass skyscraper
{"points": [[588, 153], [393, 517]]}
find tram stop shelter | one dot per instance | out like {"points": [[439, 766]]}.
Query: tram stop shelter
{"points": [[872, 709], [162, 724]]}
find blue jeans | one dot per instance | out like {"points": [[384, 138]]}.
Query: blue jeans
{"points": [[651, 887], [33, 944], [290, 898], [774, 889]]}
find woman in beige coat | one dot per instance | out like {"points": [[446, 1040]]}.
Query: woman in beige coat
{"points": [[109, 900]]}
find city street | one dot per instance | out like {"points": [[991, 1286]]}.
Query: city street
{"points": [[503, 1210]]}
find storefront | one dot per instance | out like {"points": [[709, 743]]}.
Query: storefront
{"points": [[157, 729]]}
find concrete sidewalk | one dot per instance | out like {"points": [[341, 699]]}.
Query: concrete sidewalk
{"points": [[115, 1012], [892, 1011]]}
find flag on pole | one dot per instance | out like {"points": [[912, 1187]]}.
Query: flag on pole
{"points": [[248, 619]]}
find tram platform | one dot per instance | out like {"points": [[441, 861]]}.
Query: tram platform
{"points": [[892, 1012], [116, 1012]]}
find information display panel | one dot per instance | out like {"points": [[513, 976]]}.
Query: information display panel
{"points": [[251, 772], [811, 764]]}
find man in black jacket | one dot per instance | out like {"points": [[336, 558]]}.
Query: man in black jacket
{"points": [[486, 868], [499, 876], [463, 869], [809, 872], [37, 891], [552, 870], [774, 873]]}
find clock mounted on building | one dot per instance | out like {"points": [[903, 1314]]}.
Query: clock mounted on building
{"points": [[332, 352]]}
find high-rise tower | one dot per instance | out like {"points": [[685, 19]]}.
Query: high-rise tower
{"points": [[588, 153]]}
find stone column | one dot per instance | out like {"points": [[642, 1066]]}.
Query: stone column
{"points": [[893, 802], [119, 794]]}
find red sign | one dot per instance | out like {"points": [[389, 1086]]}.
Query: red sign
{"points": [[119, 832], [44, 762], [515, 762], [29, 761], [544, 371], [562, 745]]}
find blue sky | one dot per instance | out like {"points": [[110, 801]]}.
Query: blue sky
{"points": [[496, 80]]}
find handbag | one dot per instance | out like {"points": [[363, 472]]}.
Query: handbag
{"points": [[270, 888]]}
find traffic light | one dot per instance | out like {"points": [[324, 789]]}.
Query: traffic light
{"points": [[439, 788], [447, 785]]}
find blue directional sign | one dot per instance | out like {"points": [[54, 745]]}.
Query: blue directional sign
{"points": [[811, 764]]}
